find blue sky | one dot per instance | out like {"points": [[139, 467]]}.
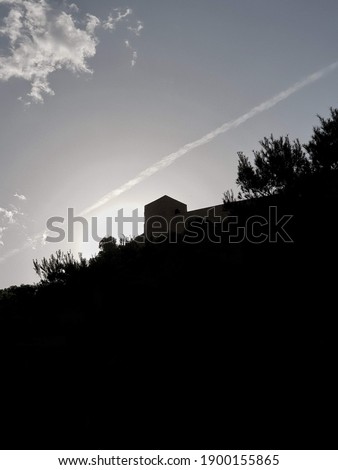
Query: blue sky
{"points": [[89, 102]]}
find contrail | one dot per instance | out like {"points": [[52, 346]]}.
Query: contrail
{"points": [[171, 158]]}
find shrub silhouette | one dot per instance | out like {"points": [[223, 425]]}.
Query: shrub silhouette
{"points": [[59, 267], [323, 146], [277, 167]]}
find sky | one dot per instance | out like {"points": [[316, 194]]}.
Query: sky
{"points": [[112, 104]]}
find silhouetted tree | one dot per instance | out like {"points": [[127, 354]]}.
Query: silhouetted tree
{"points": [[108, 245], [323, 146], [59, 267], [277, 167]]}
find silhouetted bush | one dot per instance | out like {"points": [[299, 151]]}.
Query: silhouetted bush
{"points": [[277, 167], [323, 146], [59, 267]]}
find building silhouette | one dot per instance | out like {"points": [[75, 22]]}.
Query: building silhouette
{"points": [[167, 214]]}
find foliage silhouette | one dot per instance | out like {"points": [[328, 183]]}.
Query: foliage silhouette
{"points": [[108, 244], [277, 167], [323, 146], [59, 267], [228, 197]]}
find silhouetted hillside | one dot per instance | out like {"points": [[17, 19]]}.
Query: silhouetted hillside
{"points": [[140, 333]]}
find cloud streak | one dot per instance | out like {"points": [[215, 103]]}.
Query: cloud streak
{"points": [[134, 53], [172, 157], [2, 230], [22, 197], [8, 218]]}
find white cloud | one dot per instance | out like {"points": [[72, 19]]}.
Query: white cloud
{"points": [[137, 29], [2, 230], [113, 19], [22, 197], [43, 40], [37, 241], [74, 7], [12, 25], [134, 52], [44, 238], [92, 23], [133, 60], [7, 215], [9, 218]]}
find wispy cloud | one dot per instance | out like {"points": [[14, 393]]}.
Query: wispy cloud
{"points": [[133, 60], [37, 240], [2, 230], [74, 7], [91, 24], [10, 219], [118, 15], [134, 52], [172, 157], [45, 38], [22, 197], [7, 218], [136, 29], [8, 215]]}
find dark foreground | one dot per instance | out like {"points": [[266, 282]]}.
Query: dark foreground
{"points": [[204, 346]]}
